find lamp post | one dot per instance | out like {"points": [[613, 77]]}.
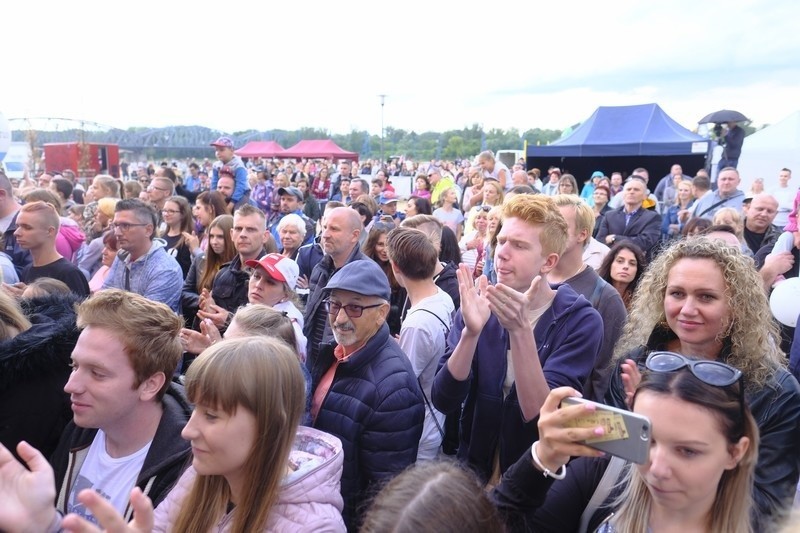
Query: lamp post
{"points": [[383, 98]]}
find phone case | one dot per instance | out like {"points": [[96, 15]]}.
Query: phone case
{"points": [[627, 433]]}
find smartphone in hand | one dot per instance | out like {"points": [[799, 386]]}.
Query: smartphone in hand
{"points": [[627, 434]]}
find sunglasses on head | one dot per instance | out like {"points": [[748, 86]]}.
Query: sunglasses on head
{"points": [[485, 208], [711, 373]]}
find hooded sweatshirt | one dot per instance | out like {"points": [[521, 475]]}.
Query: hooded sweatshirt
{"points": [[309, 499], [69, 239], [165, 461], [568, 338], [156, 275]]}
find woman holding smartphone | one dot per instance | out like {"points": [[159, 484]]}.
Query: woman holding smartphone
{"points": [[698, 476]]}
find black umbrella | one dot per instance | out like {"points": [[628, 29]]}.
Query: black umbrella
{"points": [[724, 115]]}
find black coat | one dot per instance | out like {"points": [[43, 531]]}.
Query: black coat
{"points": [[230, 286], [644, 228], [34, 367]]}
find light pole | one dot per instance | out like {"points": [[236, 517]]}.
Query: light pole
{"points": [[383, 98]]}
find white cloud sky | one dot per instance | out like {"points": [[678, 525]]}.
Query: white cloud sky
{"points": [[239, 64]]}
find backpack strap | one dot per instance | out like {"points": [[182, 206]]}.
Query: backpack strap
{"points": [[603, 490], [598, 290]]}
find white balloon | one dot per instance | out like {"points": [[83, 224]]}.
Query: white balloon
{"points": [[785, 302]]}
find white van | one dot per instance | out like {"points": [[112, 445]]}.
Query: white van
{"points": [[509, 157]]}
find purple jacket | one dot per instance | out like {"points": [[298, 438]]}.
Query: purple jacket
{"points": [[568, 337]]}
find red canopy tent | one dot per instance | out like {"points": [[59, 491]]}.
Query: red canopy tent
{"points": [[325, 148], [260, 149]]}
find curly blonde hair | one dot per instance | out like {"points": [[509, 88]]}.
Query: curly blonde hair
{"points": [[752, 334]]}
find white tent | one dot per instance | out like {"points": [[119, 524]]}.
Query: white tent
{"points": [[767, 151]]}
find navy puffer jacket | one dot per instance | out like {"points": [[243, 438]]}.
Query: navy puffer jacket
{"points": [[375, 407]]}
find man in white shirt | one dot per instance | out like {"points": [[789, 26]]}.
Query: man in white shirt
{"points": [[128, 414], [423, 334], [785, 196]]}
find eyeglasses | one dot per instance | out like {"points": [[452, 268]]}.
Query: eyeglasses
{"points": [[124, 227], [170, 211], [154, 188], [351, 310], [711, 373], [485, 208]]}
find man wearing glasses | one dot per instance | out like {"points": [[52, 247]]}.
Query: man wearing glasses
{"points": [[364, 388], [159, 190], [143, 265]]}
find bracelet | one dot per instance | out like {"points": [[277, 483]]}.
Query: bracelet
{"points": [[560, 474]]}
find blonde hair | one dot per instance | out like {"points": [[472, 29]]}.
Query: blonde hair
{"points": [[12, 320], [540, 210], [263, 376], [733, 501], [753, 336], [46, 213], [730, 217], [584, 216]]}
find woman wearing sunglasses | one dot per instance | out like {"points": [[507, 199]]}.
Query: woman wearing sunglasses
{"points": [[698, 475], [702, 298]]}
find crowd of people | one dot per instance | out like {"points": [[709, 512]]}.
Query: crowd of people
{"points": [[293, 346]]}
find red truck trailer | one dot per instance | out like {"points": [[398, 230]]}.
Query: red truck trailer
{"points": [[85, 159]]}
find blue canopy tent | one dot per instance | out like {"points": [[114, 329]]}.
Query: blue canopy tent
{"points": [[619, 139]]}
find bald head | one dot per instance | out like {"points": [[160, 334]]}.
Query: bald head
{"points": [[761, 214], [519, 177], [345, 216], [340, 233]]}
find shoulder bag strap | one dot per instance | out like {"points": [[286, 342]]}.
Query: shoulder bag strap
{"points": [[707, 209], [601, 493], [427, 401]]}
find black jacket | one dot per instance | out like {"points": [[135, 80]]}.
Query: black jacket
{"points": [[776, 408], [34, 367], [644, 228], [375, 406], [166, 460], [229, 289], [529, 501]]}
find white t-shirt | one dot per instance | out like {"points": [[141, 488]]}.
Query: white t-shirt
{"points": [[423, 338], [494, 175], [785, 198], [112, 478], [452, 219]]}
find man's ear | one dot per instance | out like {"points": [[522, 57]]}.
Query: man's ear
{"points": [[550, 263], [149, 388]]}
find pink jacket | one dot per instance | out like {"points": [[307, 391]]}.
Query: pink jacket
{"points": [[310, 498], [69, 239]]}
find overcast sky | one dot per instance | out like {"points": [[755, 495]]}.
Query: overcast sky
{"points": [[270, 64]]}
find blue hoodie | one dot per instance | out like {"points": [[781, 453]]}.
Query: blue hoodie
{"points": [[568, 337], [156, 275]]}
